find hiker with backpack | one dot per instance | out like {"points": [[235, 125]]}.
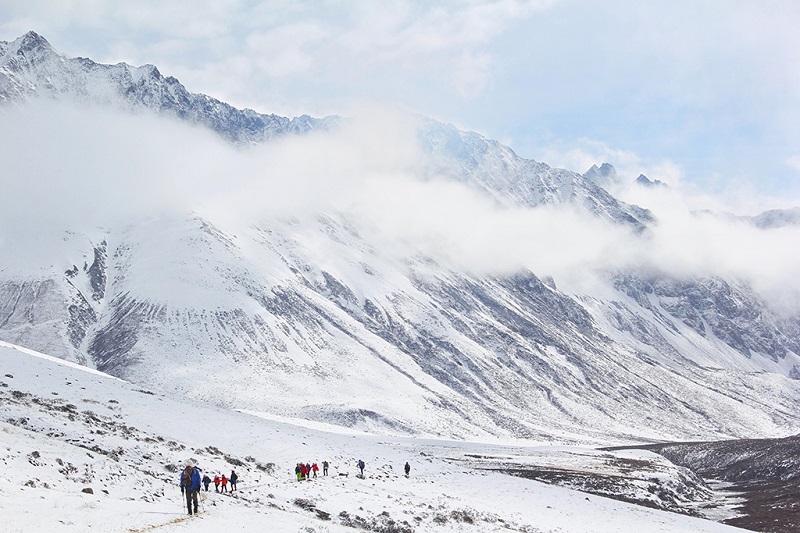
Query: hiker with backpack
{"points": [[224, 484], [324, 468], [361, 466], [190, 485], [233, 480], [315, 469], [206, 481], [407, 468], [217, 481]]}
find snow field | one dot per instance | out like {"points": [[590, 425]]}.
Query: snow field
{"points": [[52, 446]]}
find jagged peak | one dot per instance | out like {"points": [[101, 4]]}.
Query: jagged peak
{"points": [[647, 182], [143, 86], [32, 41], [605, 171]]}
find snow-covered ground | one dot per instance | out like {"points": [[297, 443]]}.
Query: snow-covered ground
{"points": [[65, 428]]}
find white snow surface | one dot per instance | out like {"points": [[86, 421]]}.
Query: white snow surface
{"points": [[64, 428]]}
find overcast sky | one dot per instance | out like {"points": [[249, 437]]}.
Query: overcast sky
{"points": [[700, 92]]}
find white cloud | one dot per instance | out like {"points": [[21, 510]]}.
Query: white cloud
{"points": [[255, 53], [794, 162], [83, 168]]}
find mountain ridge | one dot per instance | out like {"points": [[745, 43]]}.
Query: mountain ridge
{"points": [[30, 66]]}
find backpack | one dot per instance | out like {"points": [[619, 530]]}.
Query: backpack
{"points": [[186, 477]]}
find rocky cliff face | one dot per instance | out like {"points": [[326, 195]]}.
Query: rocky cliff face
{"points": [[311, 319]]}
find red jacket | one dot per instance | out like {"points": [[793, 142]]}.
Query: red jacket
{"points": [[224, 480]]}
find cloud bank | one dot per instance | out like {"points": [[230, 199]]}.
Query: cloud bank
{"points": [[68, 168]]}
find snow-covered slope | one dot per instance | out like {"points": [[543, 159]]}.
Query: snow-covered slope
{"points": [[305, 319], [313, 317], [84, 451]]}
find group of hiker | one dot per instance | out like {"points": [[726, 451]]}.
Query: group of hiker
{"points": [[191, 484], [305, 471], [221, 482]]}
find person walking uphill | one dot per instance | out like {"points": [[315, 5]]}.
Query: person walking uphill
{"points": [[233, 480], [407, 468], [361, 466], [190, 484], [206, 481]]}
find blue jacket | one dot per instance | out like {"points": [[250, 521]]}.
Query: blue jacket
{"points": [[193, 483]]}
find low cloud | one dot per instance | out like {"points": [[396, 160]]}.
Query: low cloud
{"points": [[794, 162], [69, 168]]}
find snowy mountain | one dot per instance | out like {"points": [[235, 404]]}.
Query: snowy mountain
{"points": [[30, 67], [644, 181], [771, 219], [321, 318], [510, 179], [777, 218]]}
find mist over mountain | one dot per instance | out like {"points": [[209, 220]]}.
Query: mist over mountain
{"points": [[384, 272]]}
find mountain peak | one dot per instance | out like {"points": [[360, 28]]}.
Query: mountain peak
{"points": [[603, 176], [606, 169], [647, 182], [32, 41]]}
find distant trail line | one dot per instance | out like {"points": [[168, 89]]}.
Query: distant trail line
{"points": [[176, 520], [156, 526]]}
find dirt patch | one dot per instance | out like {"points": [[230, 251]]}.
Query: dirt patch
{"points": [[764, 472]]}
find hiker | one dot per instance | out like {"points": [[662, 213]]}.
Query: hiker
{"points": [[303, 471], [315, 469], [217, 481], [234, 477], [324, 468], [190, 485], [206, 481], [224, 484], [298, 472], [408, 468], [361, 466]]}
